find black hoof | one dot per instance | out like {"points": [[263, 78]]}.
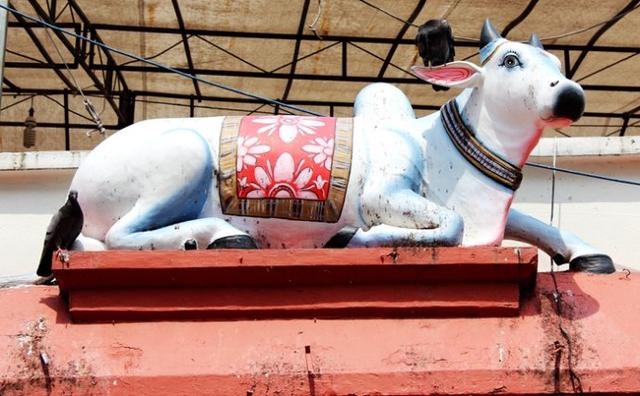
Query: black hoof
{"points": [[560, 259], [594, 263], [234, 242], [342, 238], [190, 244]]}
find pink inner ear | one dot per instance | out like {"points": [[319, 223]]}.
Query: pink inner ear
{"points": [[448, 73]]}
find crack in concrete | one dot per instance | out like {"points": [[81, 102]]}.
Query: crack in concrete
{"points": [[574, 378]]}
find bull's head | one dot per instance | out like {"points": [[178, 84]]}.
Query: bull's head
{"points": [[520, 81]]}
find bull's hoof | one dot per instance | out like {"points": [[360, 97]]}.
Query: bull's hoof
{"points": [[233, 242], [594, 263], [342, 238], [190, 244]]}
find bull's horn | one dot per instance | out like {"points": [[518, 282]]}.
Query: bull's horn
{"points": [[488, 34], [535, 41]]}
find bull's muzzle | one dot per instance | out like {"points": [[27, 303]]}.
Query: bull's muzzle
{"points": [[569, 103]]}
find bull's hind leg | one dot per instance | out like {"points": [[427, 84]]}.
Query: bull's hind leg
{"points": [[167, 214], [208, 232]]}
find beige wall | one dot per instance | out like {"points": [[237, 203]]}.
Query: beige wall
{"points": [[605, 214]]}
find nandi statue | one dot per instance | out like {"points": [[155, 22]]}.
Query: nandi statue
{"points": [[447, 179]]}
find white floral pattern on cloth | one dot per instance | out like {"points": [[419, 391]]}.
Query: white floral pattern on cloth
{"points": [[321, 151], [295, 162], [285, 180], [289, 127], [248, 151]]}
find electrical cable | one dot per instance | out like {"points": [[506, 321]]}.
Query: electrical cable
{"points": [[581, 173]]}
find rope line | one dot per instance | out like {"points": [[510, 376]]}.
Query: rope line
{"points": [[87, 103]]}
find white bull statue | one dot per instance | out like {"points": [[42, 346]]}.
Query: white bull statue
{"points": [[447, 179]]}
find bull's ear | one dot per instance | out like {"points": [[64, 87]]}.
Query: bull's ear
{"points": [[459, 74]]}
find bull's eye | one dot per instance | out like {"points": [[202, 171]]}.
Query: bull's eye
{"points": [[510, 61]]}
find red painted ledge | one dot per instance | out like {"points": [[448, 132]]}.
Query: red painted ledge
{"points": [[527, 354], [296, 283]]}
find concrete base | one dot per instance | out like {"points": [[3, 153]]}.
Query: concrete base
{"points": [[588, 341], [294, 283]]}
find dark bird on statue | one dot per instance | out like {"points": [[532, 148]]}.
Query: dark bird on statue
{"points": [[64, 228], [435, 44]]}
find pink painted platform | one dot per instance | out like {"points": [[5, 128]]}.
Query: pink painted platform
{"points": [[591, 345], [295, 283]]}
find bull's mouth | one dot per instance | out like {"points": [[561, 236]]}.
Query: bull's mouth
{"points": [[557, 122]]}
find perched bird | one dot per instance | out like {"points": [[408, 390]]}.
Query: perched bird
{"points": [[63, 230], [435, 44]]}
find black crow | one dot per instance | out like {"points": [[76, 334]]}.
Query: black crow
{"points": [[435, 44], [64, 228]]}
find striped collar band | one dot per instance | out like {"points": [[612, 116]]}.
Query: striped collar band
{"points": [[478, 155]]}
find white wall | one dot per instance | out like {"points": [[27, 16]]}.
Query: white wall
{"points": [[28, 198], [605, 214]]}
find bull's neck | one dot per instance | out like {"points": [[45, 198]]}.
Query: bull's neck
{"points": [[506, 135]]}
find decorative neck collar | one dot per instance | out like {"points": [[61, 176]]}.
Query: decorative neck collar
{"points": [[475, 152]]}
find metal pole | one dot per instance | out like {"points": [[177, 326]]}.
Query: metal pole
{"points": [[67, 138], [3, 39]]}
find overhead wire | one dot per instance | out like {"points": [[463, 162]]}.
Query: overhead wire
{"points": [[269, 100], [581, 173]]}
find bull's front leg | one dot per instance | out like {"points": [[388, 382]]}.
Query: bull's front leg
{"points": [[401, 217], [562, 246]]}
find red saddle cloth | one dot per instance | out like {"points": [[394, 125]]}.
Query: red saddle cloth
{"points": [[292, 167]]}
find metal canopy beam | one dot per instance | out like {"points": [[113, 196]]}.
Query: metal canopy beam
{"points": [[296, 49], [9, 84], [518, 20], [43, 14], [630, 6], [403, 30], [330, 77], [96, 36], [45, 54], [185, 42], [169, 95], [341, 38]]}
